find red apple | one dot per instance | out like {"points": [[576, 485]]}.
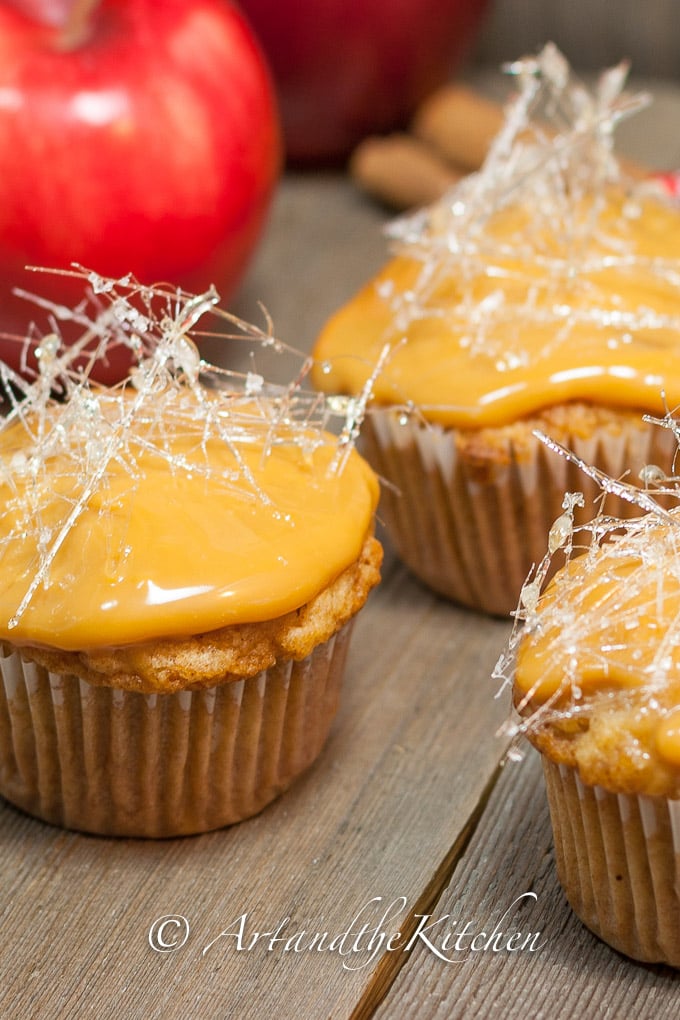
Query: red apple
{"points": [[134, 136], [346, 68]]}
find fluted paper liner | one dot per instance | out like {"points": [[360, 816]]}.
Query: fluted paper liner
{"points": [[618, 860], [472, 530], [122, 763]]}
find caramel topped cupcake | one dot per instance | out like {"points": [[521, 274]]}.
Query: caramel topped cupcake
{"points": [[540, 293], [183, 557], [597, 689], [598, 669]]}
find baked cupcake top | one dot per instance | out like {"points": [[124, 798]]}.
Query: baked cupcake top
{"points": [[542, 279], [187, 499], [597, 674]]}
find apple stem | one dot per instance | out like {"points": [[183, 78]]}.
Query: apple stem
{"points": [[76, 28]]}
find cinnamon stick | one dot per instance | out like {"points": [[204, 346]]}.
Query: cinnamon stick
{"points": [[459, 124], [400, 171]]}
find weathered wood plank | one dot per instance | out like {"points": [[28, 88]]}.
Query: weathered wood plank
{"points": [[571, 974], [324, 241]]}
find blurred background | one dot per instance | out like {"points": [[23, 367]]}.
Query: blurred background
{"points": [[591, 34], [345, 70]]}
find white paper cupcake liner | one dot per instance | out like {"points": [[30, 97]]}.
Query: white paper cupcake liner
{"points": [[122, 763], [471, 527], [618, 860]]}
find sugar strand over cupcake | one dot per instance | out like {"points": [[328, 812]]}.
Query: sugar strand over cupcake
{"points": [[64, 414], [559, 177], [608, 624]]}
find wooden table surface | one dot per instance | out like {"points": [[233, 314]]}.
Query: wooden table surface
{"points": [[408, 822]]}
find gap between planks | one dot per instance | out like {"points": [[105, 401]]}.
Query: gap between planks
{"points": [[391, 964]]}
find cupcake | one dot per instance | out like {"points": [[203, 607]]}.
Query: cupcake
{"points": [[540, 293], [597, 689], [183, 557]]}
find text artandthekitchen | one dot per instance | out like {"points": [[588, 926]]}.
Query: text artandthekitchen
{"points": [[374, 929]]}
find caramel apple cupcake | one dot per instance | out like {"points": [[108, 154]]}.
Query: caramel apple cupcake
{"points": [[597, 688], [541, 293], [183, 557]]}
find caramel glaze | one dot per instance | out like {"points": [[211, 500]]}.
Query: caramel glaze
{"points": [[533, 315], [161, 550]]}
